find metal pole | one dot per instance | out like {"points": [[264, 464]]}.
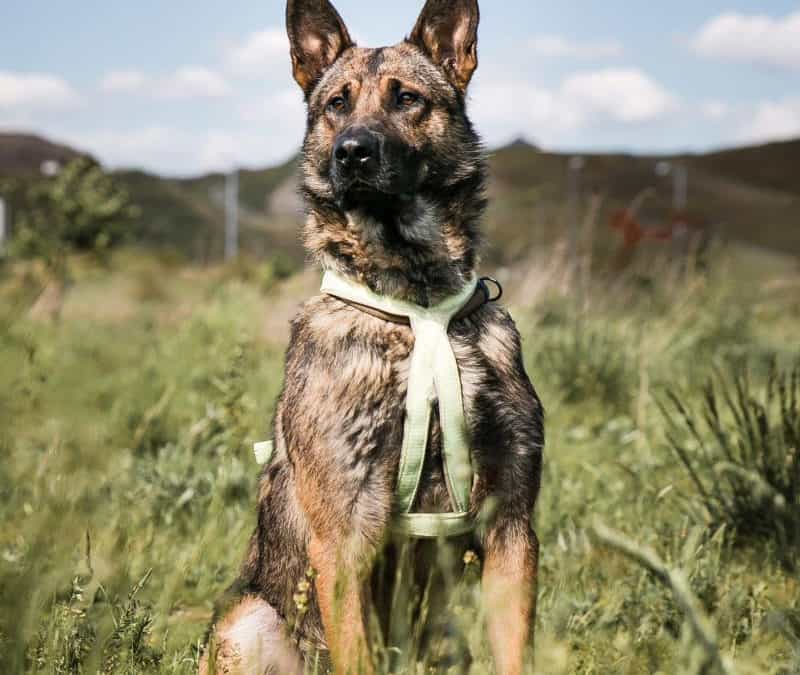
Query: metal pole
{"points": [[574, 167], [232, 215], [680, 187], [3, 224]]}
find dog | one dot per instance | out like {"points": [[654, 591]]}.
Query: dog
{"points": [[393, 177]]}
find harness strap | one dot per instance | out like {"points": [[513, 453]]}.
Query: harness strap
{"points": [[479, 299], [433, 378]]}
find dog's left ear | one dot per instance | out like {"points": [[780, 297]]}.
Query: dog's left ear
{"points": [[447, 31], [317, 36]]}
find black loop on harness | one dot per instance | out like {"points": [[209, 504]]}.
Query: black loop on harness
{"points": [[489, 280]]}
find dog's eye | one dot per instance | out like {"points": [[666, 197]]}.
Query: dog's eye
{"points": [[337, 104], [406, 99]]}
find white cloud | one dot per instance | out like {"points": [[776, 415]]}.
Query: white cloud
{"points": [[772, 121], [146, 147], [526, 109], [35, 91], [558, 46], [616, 96], [124, 81], [714, 110], [754, 38], [193, 82], [284, 105], [181, 152], [259, 52], [187, 82]]}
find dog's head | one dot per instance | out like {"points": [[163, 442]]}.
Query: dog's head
{"points": [[388, 140]]}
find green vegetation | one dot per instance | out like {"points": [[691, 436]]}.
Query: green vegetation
{"points": [[128, 486], [743, 456], [188, 215], [670, 510], [728, 193], [80, 209]]}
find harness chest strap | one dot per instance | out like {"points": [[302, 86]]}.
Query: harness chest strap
{"points": [[433, 376]]}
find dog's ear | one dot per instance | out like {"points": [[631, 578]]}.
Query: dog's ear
{"points": [[447, 31], [317, 37]]}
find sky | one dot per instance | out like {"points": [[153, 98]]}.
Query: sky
{"points": [[183, 88]]}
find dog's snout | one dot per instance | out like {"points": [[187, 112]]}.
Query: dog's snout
{"points": [[356, 149]]}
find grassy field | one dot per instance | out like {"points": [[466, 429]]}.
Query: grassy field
{"points": [[127, 483]]}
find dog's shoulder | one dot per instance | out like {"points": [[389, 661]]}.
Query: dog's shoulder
{"points": [[492, 331]]}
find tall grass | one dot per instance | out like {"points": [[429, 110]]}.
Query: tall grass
{"points": [[741, 449], [136, 427]]}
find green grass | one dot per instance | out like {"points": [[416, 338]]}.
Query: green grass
{"points": [[127, 483]]}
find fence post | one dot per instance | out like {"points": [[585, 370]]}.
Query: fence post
{"points": [[5, 225], [232, 215], [574, 167]]}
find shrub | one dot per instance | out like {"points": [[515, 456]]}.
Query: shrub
{"points": [[742, 452], [82, 208], [586, 363]]}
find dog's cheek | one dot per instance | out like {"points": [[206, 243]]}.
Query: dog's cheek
{"points": [[437, 125], [318, 147]]}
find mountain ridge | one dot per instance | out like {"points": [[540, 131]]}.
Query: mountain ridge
{"points": [[749, 193]]}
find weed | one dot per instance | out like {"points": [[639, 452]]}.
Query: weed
{"points": [[742, 452], [587, 363]]}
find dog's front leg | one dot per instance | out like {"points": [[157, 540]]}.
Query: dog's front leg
{"points": [[348, 513], [343, 568], [511, 552]]}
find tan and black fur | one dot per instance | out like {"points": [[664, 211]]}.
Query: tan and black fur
{"points": [[393, 176]]}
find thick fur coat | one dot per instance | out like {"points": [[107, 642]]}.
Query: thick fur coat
{"points": [[393, 176]]}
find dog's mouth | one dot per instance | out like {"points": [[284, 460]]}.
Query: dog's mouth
{"points": [[374, 201], [370, 194]]}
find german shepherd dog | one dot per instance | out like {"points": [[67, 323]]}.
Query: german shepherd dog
{"points": [[393, 178]]}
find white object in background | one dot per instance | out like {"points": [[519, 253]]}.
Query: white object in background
{"points": [[50, 167]]}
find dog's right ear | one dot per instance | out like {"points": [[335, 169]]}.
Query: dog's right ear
{"points": [[317, 37]]}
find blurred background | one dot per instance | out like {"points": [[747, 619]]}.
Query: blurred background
{"points": [[644, 219]]}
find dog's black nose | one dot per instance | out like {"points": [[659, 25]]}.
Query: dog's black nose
{"points": [[356, 149]]}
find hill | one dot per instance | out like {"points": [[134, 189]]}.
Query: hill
{"points": [[24, 154], [188, 214], [749, 194]]}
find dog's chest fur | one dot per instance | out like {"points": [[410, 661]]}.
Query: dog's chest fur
{"points": [[346, 391]]}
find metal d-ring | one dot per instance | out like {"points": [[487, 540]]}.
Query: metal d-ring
{"points": [[497, 284]]}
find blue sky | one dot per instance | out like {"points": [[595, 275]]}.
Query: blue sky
{"points": [[182, 88]]}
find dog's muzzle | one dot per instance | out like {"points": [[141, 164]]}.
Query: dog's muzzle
{"points": [[356, 156]]}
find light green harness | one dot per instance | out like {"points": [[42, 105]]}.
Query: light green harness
{"points": [[433, 377]]}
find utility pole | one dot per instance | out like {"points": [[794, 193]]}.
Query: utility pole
{"points": [[4, 226], [680, 188], [232, 215], [680, 183], [574, 167]]}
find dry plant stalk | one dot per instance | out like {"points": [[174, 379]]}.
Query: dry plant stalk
{"points": [[676, 581]]}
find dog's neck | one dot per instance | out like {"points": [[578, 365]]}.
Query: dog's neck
{"points": [[423, 253]]}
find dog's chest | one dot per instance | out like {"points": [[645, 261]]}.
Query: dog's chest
{"points": [[343, 408], [432, 495]]}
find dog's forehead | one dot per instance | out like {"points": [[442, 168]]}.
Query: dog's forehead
{"points": [[402, 61]]}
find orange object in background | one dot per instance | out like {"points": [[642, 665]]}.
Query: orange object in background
{"points": [[633, 233]]}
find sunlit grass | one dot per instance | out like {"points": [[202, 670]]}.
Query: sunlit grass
{"points": [[127, 486]]}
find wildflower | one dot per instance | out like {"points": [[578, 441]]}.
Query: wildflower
{"points": [[471, 558]]}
